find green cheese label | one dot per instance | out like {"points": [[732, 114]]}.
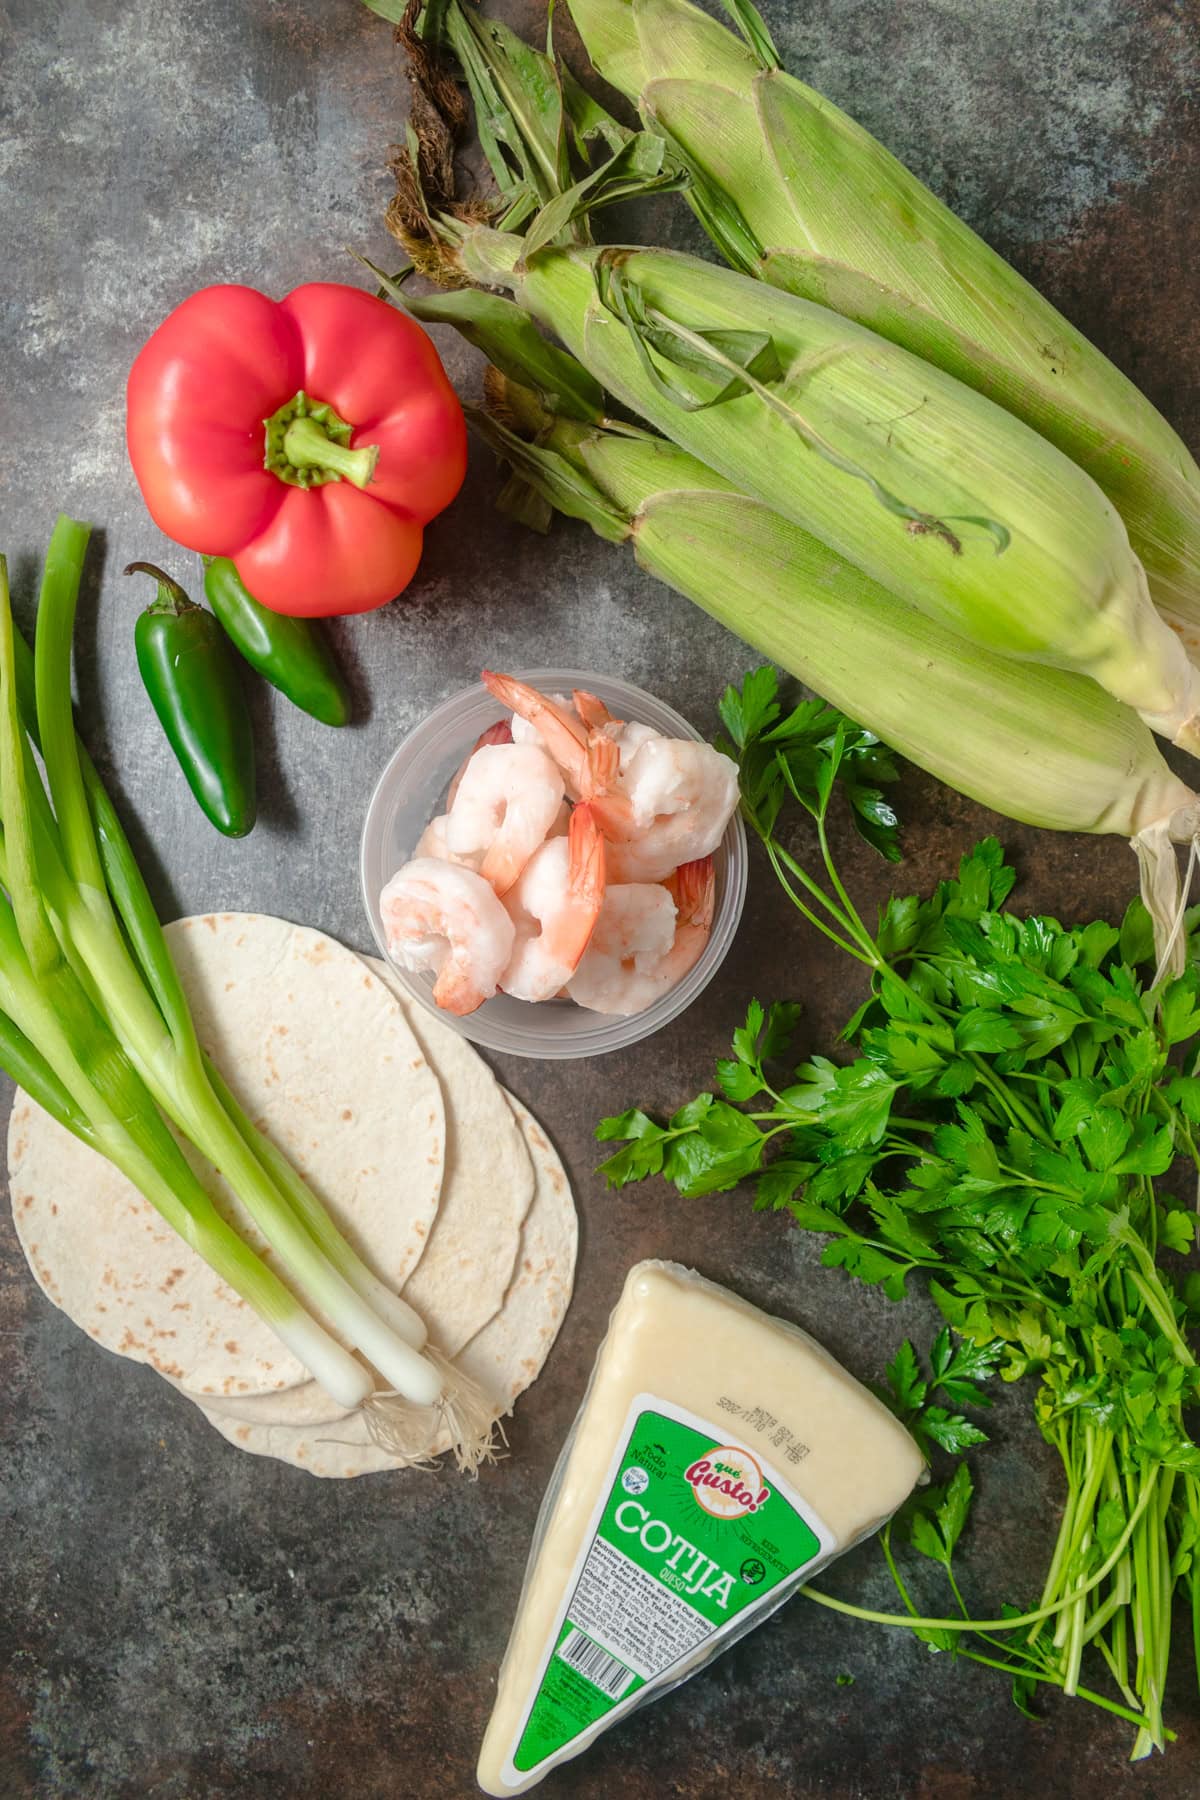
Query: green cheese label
{"points": [[692, 1532]]}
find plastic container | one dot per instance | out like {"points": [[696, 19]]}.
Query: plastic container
{"points": [[411, 791]]}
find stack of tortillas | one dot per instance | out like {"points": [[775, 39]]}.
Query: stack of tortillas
{"points": [[443, 1182]]}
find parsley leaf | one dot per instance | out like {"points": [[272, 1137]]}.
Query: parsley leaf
{"points": [[957, 1369], [802, 756], [1137, 934], [747, 712], [949, 1431], [642, 1156], [1178, 1231], [1180, 1008], [935, 1529], [904, 1379]]}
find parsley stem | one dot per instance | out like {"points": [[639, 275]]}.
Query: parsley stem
{"points": [[954, 1589], [779, 856], [1097, 1450], [848, 906], [784, 1125], [885, 1544], [847, 919], [1117, 1656], [1099, 1618], [1055, 1680], [1065, 1542], [1013, 1106], [1148, 1634], [1012, 1283], [1041, 1187], [1193, 1574], [1159, 1312], [1013, 1624]]}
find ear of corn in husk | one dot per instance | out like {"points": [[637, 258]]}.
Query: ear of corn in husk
{"points": [[793, 190], [1040, 745], [950, 502]]}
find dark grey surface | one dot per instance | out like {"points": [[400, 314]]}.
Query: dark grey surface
{"points": [[181, 1620]]}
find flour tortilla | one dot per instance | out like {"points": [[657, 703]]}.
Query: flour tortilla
{"points": [[504, 1358], [470, 1258], [292, 1015], [321, 1057], [487, 1188], [509, 1353]]}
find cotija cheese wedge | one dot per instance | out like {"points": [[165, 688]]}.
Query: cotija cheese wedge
{"points": [[719, 1457]]}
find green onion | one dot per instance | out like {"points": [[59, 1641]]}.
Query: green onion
{"points": [[173, 1069], [55, 1042], [26, 1065], [88, 989]]}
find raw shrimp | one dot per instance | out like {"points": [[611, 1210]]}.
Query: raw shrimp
{"points": [[447, 920], [646, 939], [554, 906], [507, 801], [432, 842], [499, 733], [680, 797]]}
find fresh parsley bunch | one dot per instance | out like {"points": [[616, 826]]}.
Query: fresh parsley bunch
{"points": [[1019, 1090]]}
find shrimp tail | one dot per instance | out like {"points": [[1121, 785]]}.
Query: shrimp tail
{"points": [[568, 934], [585, 856], [501, 868], [591, 710], [612, 808], [564, 737], [693, 888], [604, 766], [499, 733]]}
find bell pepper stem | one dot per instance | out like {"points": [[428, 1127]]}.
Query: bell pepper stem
{"points": [[306, 445]]}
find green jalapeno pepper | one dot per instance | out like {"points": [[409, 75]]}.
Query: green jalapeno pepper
{"points": [[291, 653], [192, 677]]}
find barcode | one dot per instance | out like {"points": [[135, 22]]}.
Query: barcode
{"points": [[601, 1669]]}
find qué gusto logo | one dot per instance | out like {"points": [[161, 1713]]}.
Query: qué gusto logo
{"points": [[727, 1482]]}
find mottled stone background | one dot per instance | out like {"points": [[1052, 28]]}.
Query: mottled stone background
{"points": [[181, 1621]]}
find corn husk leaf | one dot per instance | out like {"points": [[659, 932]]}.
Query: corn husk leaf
{"points": [[509, 337], [1064, 588], [525, 505], [567, 488], [637, 168], [753, 28], [794, 191]]}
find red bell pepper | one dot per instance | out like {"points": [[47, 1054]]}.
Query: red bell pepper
{"points": [[309, 439]]}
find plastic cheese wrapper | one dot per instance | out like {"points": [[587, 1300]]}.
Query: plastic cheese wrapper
{"points": [[720, 1458]]}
